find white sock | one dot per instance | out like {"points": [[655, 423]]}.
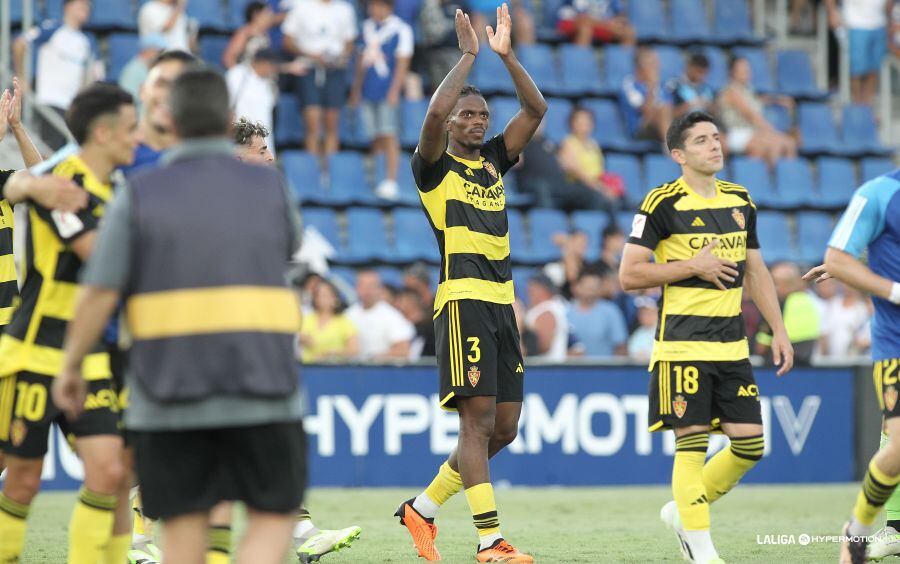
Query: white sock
{"points": [[857, 529], [488, 540], [701, 546], [137, 540], [425, 506], [304, 528]]}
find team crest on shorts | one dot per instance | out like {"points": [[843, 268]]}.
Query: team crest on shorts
{"points": [[738, 217], [491, 170], [679, 406], [17, 432], [890, 398], [474, 374]]}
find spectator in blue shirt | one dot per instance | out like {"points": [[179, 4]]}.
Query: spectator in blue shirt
{"points": [[381, 69], [586, 21], [691, 92], [597, 323], [646, 106]]}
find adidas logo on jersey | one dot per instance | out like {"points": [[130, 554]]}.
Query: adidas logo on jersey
{"points": [[698, 222], [519, 369], [469, 172]]}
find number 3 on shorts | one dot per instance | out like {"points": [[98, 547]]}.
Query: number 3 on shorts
{"points": [[686, 379], [474, 351]]}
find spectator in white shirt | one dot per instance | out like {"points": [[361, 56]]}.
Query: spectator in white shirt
{"points": [[845, 319], [167, 17], [253, 90], [384, 334], [65, 61], [321, 33], [546, 318]]}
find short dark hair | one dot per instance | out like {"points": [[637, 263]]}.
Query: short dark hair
{"points": [[95, 101], [733, 61], [579, 108], [386, 2], [699, 60], [611, 229], [175, 55], [252, 9], [677, 131], [341, 305], [199, 102], [245, 130], [470, 90], [599, 269]]}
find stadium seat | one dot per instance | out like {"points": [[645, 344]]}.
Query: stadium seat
{"points": [[211, 49], [650, 20], [872, 167], [288, 121], [541, 64], [818, 131], [689, 22], [514, 198], [774, 236], [609, 131], [236, 12], [303, 175], [837, 181], [121, 47], [348, 181], [545, 224], [618, 63], [659, 170], [760, 67], [556, 121], [412, 115], [859, 131], [794, 183], [813, 231], [15, 13], [520, 275], [518, 236], [795, 75], [718, 67], [629, 168], [408, 11], [779, 116], [209, 14], [579, 70], [413, 236], [592, 223], [490, 74], [52, 9], [325, 222], [502, 108], [407, 193], [753, 174], [352, 131], [366, 237], [671, 63], [111, 14], [390, 276], [732, 24], [343, 275]]}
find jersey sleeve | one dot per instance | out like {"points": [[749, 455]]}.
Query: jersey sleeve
{"points": [[649, 225], [752, 238], [862, 222], [495, 151], [429, 175], [4, 177], [68, 226]]}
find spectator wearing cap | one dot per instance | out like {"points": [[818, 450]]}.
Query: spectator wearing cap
{"points": [[253, 91], [134, 73], [384, 334], [640, 344], [691, 92], [381, 70], [327, 334], [597, 324], [546, 318], [586, 21], [168, 17]]}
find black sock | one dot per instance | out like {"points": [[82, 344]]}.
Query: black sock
{"points": [[895, 524]]}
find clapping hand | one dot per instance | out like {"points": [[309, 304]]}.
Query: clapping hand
{"points": [[500, 40], [465, 34]]}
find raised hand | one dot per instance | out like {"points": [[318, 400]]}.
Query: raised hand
{"points": [[5, 104], [465, 34], [500, 40], [713, 269], [15, 106]]}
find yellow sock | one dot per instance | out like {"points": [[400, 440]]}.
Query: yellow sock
{"points": [[138, 528], [877, 488], [484, 509], [724, 470], [117, 549], [13, 518], [219, 548], [445, 485], [90, 527], [687, 481]]}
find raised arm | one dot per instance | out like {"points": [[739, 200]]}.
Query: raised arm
{"points": [[432, 139], [521, 127], [30, 153]]}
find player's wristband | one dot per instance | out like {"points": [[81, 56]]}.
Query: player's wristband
{"points": [[894, 298]]}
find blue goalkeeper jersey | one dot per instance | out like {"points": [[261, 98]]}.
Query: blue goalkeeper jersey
{"points": [[872, 220]]}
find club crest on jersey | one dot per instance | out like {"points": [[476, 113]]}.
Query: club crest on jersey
{"points": [[738, 217], [679, 406], [890, 398], [491, 170], [17, 432], [474, 375]]}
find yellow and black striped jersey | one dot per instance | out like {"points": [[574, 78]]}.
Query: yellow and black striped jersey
{"points": [[9, 288], [466, 206], [33, 340], [697, 321]]}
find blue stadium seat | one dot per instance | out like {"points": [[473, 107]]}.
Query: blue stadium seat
{"points": [[795, 75], [818, 130], [618, 64], [753, 174], [544, 225], [412, 115], [209, 14], [671, 63], [15, 13], [556, 120], [718, 67], [732, 23], [111, 14], [629, 168], [813, 231], [343, 274], [794, 183], [352, 129], [659, 170], [304, 176], [520, 275], [689, 22], [579, 71], [288, 121], [490, 74], [760, 67], [837, 181], [870, 167], [407, 193], [413, 236], [779, 116], [774, 236], [408, 11], [390, 276], [609, 131], [122, 47], [541, 65], [212, 47], [52, 9], [514, 198], [592, 223], [518, 236], [348, 179], [236, 12], [366, 236], [859, 131], [502, 108], [325, 222], [650, 20]]}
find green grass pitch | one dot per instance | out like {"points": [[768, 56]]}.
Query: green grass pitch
{"points": [[597, 525]]}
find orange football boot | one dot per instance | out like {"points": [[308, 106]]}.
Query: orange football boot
{"points": [[502, 551], [423, 531]]}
